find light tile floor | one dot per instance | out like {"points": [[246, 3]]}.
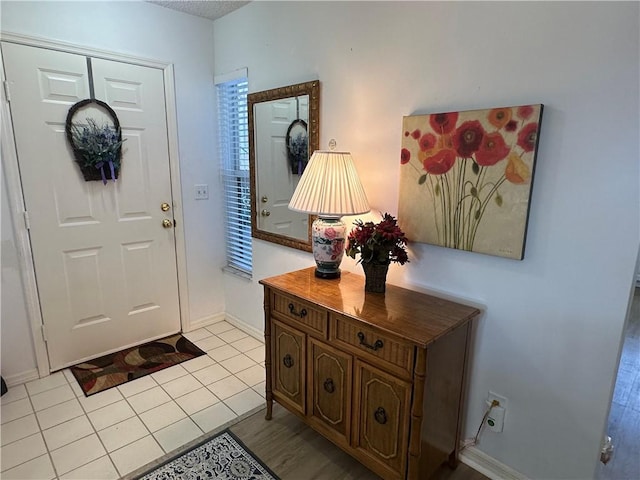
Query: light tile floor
{"points": [[50, 430]]}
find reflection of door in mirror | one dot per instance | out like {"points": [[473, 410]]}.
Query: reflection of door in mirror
{"points": [[275, 181], [283, 133]]}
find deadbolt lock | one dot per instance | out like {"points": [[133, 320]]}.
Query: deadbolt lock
{"points": [[165, 207], [264, 199]]}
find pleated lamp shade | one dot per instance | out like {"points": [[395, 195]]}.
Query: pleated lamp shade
{"points": [[330, 187]]}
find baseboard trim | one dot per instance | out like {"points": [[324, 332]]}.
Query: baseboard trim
{"points": [[489, 466], [254, 332], [20, 378], [204, 321]]}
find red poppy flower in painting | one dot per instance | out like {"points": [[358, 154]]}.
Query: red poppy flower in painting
{"points": [[527, 137], [511, 126], [517, 171], [405, 156], [441, 162], [427, 141], [499, 117], [416, 134], [525, 111], [443, 122], [492, 150], [467, 138]]}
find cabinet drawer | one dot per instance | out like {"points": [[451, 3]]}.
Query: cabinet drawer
{"points": [[288, 366], [308, 317], [394, 353], [381, 419], [330, 384]]}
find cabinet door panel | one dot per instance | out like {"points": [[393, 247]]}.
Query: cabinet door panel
{"points": [[289, 366], [330, 385], [381, 418]]}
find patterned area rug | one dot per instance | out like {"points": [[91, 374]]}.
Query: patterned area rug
{"points": [[224, 457], [117, 368]]}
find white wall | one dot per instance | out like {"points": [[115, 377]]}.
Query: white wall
{"points": [[550, 335], [148, 31]]}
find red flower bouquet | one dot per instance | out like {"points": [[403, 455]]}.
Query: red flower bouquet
{"points": [[378, 243]]}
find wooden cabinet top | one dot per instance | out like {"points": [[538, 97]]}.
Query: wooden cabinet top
{"points": [[414, 316]]}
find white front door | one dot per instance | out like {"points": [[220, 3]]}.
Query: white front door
{"points": [[276, 183], [104, 263]]}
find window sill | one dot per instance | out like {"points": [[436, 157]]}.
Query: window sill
{"points": [[237, 272]]}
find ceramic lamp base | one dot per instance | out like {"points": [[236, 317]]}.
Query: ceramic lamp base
{"points": [[328, 236]]}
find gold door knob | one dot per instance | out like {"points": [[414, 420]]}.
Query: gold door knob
{"points": [[166, 223], [165, 207], [265, 213]]}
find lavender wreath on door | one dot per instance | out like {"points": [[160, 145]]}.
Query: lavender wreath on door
{"points": [[97, 148], [297, 141]]}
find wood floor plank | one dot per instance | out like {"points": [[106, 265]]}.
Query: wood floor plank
{"points": [[296, 452]]}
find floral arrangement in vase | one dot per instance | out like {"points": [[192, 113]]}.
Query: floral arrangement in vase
{"points": [[378, 244]]}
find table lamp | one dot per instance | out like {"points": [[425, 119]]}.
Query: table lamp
{"points": [[329, 188]]}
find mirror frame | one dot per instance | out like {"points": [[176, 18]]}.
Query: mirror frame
{"points": [[313, 125]]}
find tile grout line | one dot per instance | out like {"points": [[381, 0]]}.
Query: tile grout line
{"points": [[95, 432], [41, 431], [137, 415], [180, 407]]}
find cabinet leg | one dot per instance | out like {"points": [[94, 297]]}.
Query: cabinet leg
{"points": [[269, 413], [453, 460]]}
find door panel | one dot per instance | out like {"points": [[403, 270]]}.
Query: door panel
{"points": [[289, 366], [147, 251], [330, 391], [381, 420], [105, 266]]}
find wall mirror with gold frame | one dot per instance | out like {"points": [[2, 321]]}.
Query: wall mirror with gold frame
{"points": [[283, 133]]}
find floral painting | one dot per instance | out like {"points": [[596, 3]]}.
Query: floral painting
{"points": [[466, 178]]}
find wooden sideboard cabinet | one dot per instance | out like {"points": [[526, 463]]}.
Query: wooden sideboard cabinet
{"points": [[380, 375]]}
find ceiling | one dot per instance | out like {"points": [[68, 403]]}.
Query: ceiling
{"points": [[211, 9]]}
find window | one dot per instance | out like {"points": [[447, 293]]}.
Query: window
{"points": [[234, 157]]}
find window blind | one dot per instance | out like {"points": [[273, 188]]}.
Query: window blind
{"points": [[234, 157]]}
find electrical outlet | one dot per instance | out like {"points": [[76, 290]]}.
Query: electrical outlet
{"points": [[202, 192], [495, 418]]}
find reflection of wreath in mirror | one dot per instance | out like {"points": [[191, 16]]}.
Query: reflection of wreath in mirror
{"points": [[298, 146], [97, 149]]}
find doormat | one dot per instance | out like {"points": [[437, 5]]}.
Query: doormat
{"points": [[223, 457], [121, 367]]}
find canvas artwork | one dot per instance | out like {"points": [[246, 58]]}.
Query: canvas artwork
{"points": [[466, 178]]}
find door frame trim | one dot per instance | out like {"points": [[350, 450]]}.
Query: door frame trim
{"points": [[16, 197]]}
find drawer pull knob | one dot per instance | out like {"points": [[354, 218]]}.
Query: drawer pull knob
{"points": [[329, 385], [378, 344], [380, 415], [292, 310], [288, 361]]}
